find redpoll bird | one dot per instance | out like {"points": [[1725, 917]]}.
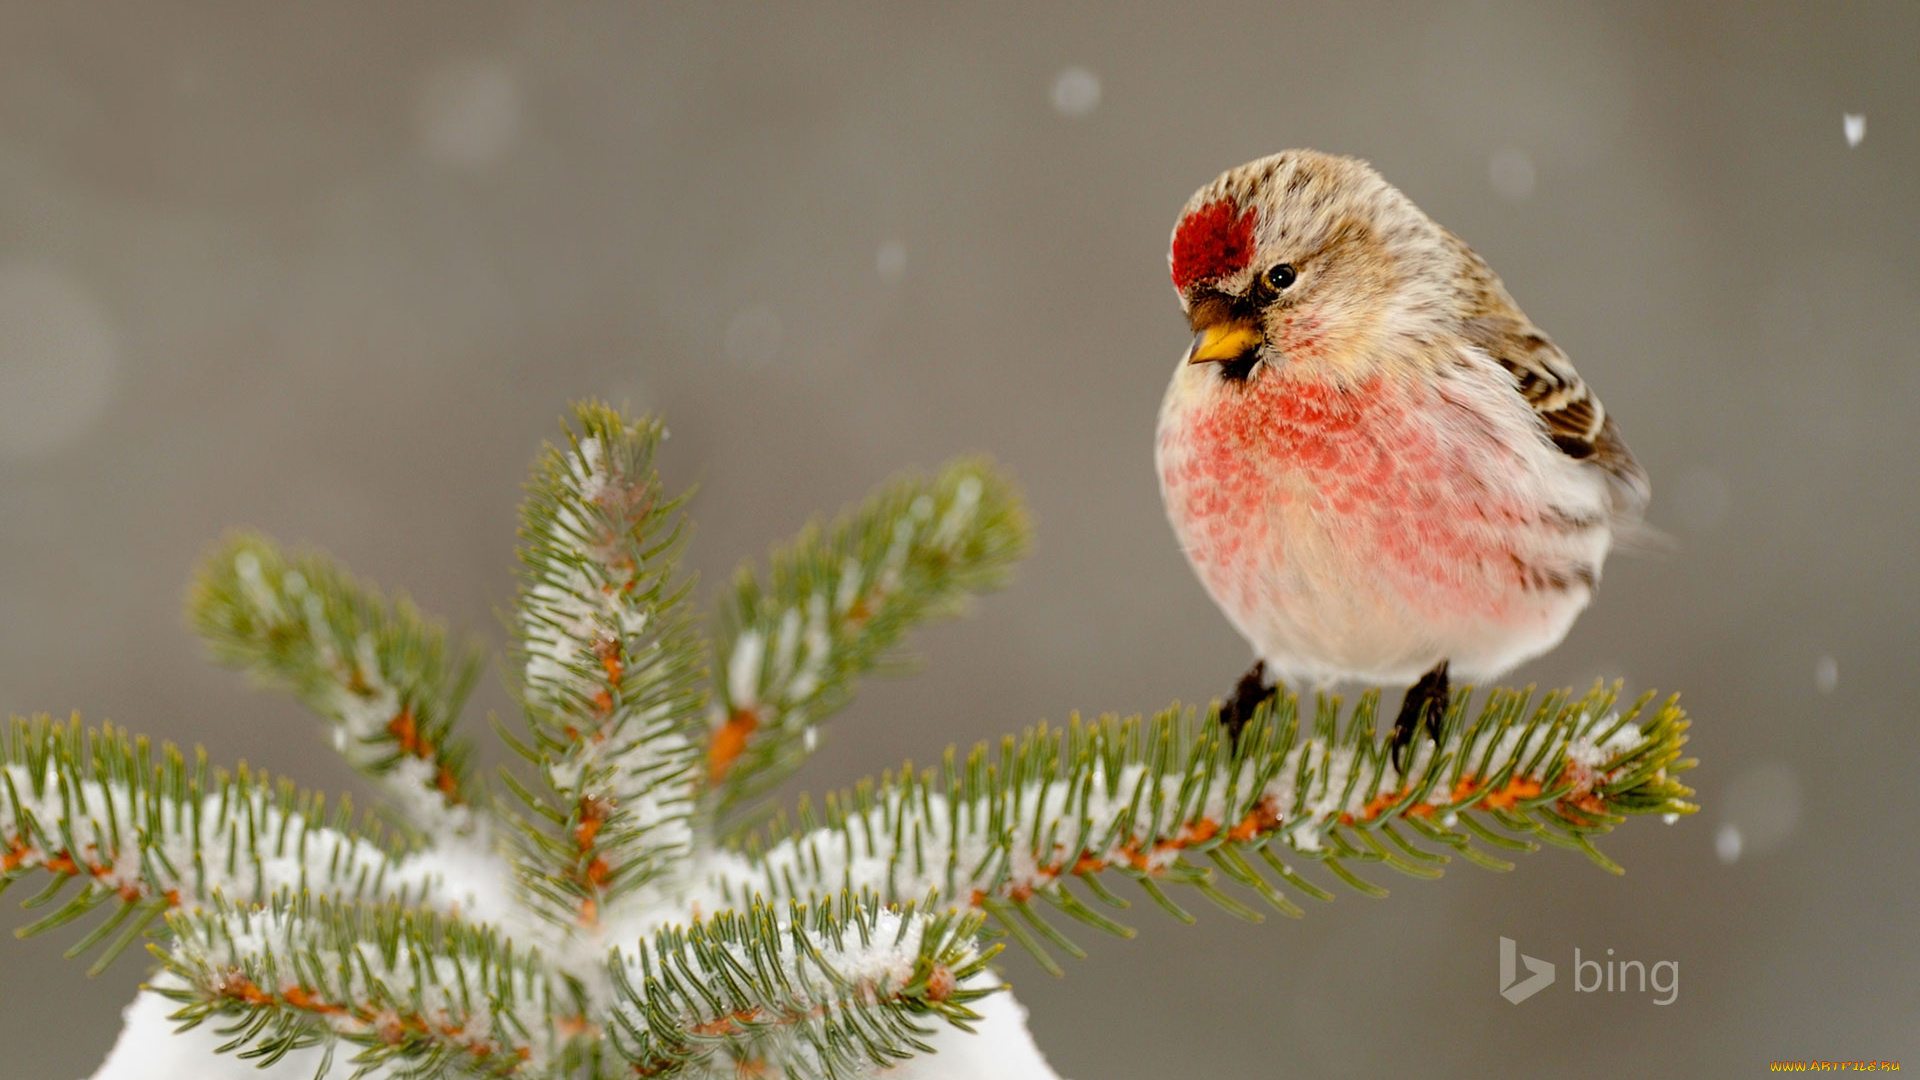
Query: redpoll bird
{"points": [[1377, 466]]}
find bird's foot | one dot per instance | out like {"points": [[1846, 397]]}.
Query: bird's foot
{"points": [[1424, 707], [1248, 693]]}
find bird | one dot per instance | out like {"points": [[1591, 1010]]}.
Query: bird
{"points": [[1379, 468]]}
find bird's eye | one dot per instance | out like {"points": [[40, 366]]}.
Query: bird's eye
{"points": [[1281, 276]]}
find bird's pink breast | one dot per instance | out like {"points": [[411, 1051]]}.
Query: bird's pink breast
{"points": [[1370, 481]]}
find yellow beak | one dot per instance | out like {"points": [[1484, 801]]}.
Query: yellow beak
{"points": [[1227, 340]]}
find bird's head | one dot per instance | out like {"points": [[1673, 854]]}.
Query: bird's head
{"points": [[1309, 261]]}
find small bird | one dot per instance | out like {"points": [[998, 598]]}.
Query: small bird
{"points": [[1379, 468]]}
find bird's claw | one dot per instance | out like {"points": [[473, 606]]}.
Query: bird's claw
{"points": [[1425, 707], [1248, 693]]}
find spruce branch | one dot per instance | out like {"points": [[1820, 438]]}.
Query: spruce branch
{"points": [[433, 996], [836, 603], [144, 833], [612, 686], [1147, 799], [379, 671], [827, 990], [638, 943]]}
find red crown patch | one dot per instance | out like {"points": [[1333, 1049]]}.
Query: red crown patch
{"points": [[1212, 242]]}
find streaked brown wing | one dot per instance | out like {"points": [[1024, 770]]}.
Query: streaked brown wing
{"points": [[1568, 409]]}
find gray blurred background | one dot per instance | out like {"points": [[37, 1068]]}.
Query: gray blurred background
{"points": [[334, 271]]}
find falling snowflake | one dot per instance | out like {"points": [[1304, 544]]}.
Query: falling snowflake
{"points": [[1826, 674], [1726, 844], [1855, 125], [1076, 91], [467, 111]]}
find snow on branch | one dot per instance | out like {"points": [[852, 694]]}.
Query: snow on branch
{"points": [[612, 684], [381, 672], [828, 990], [444, 997], [143, 834], [837, 602], [1143, 798]]}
